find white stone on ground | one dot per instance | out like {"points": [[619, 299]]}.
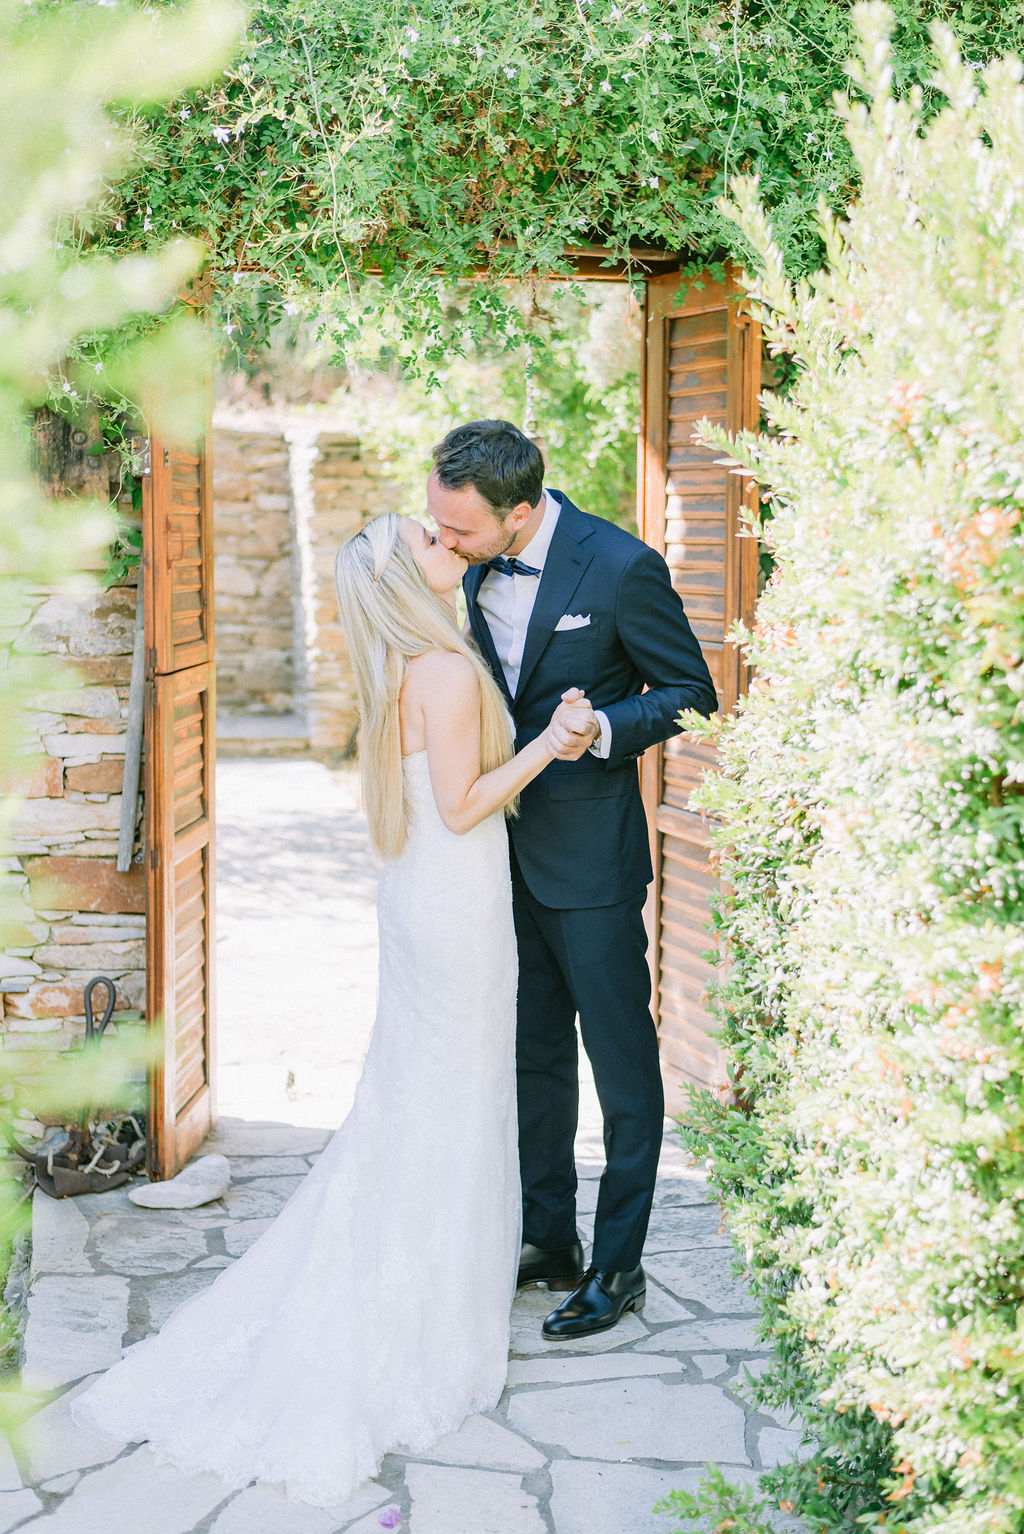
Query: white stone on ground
{"points": [[634, 1419], [263, 1509], [572, 1371], [686, 1226], [660, 1306], [737, 1335], [710, 1365], [205, 1178], [164, 1295], [779, 1445], [474, 1501], [238, 1238], [75, 1325], [591, 1497], [253, 1137], [55, 1445], [481, 1442], [59, 1233], [15, 1506], [144, 1241], [705, 1276], [10, 1475], [135, 1492]]}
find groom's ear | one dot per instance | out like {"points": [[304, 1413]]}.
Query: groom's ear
{"points": [[518, 516]]}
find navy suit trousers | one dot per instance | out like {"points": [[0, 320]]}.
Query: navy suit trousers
{"points": [[592, 963]]}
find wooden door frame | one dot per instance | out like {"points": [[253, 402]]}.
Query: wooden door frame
{"points": [[665, 295]]}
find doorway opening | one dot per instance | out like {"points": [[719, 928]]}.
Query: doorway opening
{"points": [[697, 355]]}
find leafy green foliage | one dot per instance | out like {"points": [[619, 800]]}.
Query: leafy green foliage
{"points": [[581, 394], [871, 825], [433, 139]]}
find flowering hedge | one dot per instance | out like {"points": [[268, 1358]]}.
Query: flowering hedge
{"points": [[871, 807]]}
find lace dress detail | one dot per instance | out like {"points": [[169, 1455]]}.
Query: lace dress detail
{"points": [[372, 1316]]}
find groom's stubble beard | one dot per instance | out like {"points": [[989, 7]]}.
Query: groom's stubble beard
{"points": [[506, 540]]}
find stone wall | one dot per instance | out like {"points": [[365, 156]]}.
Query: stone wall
{"points": [[255, 573], [337, 488], [77, 916]]}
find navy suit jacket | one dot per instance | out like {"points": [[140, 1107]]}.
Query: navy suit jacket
{"points": [[581, 836]]}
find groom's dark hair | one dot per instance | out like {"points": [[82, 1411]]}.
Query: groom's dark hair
{"points": [[496, 458]]}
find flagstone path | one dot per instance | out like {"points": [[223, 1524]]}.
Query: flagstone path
{"points": [[587, 1435]]}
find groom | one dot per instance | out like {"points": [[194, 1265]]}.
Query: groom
{"points": [[560, 599]]}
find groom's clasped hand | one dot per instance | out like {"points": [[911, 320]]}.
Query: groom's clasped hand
{"points": [[573, 727]]}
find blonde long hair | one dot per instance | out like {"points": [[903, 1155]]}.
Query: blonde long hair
{"points": [[390, 615]]}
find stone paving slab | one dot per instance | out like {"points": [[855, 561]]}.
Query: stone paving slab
{"points": [[587, 1436]]}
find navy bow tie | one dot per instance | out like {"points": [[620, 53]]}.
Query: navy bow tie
{"points": [[511, 566]]}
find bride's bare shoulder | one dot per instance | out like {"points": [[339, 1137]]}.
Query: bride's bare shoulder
{"points": [[441, 669]]}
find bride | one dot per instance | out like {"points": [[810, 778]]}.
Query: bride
{"points": [[373, 1314]]}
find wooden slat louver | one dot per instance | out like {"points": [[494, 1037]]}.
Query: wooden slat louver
{"points": [[702, 358], [181, 754]]}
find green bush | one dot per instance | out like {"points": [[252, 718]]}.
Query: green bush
{"points": [[870, 800]]}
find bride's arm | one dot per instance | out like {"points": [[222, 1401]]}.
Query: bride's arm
{"points": [[448, 693]]}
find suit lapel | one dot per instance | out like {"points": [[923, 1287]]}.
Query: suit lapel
{"points": [[471, 584], [567, 559]]}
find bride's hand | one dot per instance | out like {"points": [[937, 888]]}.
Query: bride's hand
{"points": [[573, 726]]}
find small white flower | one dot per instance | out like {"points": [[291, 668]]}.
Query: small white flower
{"points": [[455, 41], [229, 328], [97, 367], [478, 50], [290, 306], [412, 34], [403, 52], [221, 133], [220, 167], [645, 38], [606, 85], [236, 277], [654, 183], [185, 114], [654, 136], [664, 37], [67, 387], [510, 73]]}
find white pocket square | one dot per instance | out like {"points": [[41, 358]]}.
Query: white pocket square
{"points": [[572, 621]]}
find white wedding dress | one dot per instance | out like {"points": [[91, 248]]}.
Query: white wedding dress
{"points": [[373, 1314]]}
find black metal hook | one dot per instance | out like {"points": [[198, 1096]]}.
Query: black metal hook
{"points": [[93, 1029]]}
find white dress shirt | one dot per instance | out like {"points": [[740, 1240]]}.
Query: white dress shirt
{"points": [[506, 602]]}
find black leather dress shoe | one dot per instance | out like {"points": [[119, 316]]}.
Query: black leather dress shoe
{"points": [[560, 1268], [597, 1302]]}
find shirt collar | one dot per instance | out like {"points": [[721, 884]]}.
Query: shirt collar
{"points": [[536, 551]]}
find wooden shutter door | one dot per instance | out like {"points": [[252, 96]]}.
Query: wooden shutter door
{"points": [[179, 787], [702, 358]]}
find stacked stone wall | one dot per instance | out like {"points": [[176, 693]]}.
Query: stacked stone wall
{"points": [[255, 573], [338, 487], [75, 915]]}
